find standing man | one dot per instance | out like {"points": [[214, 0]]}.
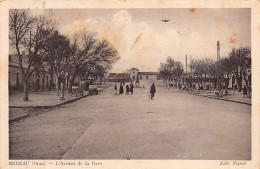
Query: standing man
{"points": [[127, 90], [115, 88], [121, 90], [131, 88], [244, 91], [152, 91]]}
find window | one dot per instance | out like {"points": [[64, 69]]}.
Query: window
{"points": [[141, 77], [47, 79], [133, 72], [146, 77], [133, 77]]}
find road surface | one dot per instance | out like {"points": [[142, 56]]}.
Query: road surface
{"points": [[175, 125]]}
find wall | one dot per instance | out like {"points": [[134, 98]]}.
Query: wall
{"points": [[150, 77], [134, 73]]}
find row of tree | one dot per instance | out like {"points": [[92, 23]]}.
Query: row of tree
{"points": [[237, 66], [171, 70], [38, 43]]}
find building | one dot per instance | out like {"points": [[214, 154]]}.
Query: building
{"points": [[147, 75], [15, 76], [118, 77], [135, 74]]}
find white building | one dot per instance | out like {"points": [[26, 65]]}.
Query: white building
{"points": [[135, 74]]}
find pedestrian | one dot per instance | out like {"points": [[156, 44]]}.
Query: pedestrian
{"points": [[131, 88], [121, 89], [115, 89], [127, 90], [244, 91], [152, 91]]}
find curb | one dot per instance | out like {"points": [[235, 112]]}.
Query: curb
{"points": [[53, 106], [222, 99], [47, 107]]}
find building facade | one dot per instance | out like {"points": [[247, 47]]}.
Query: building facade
{"points": [[15, 79], [133, 73], [136, 75]]}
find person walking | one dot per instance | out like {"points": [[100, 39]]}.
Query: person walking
{"points": [[244, 91], [152, 91], [121, 89], [127, 90], [131, 88], [115, 89]]}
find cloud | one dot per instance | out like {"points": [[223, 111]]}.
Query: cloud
{"points": [[139, 44]]}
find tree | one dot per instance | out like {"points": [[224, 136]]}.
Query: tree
{"points": [[198, 71], [177, 70], [20, 25], [58, 52], [164, 71], [87, 50], [36, 44], [171, 70], [29, 36], [240, 62]]}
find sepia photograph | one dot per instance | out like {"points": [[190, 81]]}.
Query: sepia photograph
{"points": [[110, 85], [130, 84]]}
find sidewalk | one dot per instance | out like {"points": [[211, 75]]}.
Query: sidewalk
{"points": [[18, 109], [233, 96], [45, 99]]}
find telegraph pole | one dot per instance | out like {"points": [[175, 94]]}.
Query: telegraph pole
{"points": [[218, 59], [186, 63], [185, 81]]}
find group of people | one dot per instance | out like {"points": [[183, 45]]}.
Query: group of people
{"points": [[131, 90], [121, 89]]}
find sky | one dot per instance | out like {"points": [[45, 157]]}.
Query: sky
{"points": [[144, 41]]}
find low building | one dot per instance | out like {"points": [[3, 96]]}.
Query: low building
{"points": [[118, 77], [15, 76], [135, 74], [147, 75]]}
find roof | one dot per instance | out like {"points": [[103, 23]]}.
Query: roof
{"points": [[133, 69], [147, 73], [111, 75], [14, 62], [118, 76], [122, 76]]}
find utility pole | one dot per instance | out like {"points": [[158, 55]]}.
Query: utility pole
{"points": [[186, 63], [218, 59]]}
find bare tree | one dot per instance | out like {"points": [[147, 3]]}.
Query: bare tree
{"points": [[20, 25], [240, 62], [36, 46], [87, 50], [171, 70]]}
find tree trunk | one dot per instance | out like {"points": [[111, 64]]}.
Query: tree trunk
{"points": [[43, 77], [37, 76], [58, 85], [100, 80], [198, 83], [71, 83], [239, 84], [51, 79], [204, 86], [209, 85], [25, 90]]}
